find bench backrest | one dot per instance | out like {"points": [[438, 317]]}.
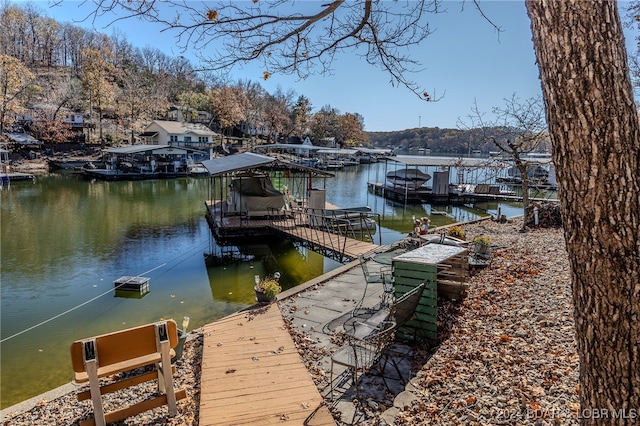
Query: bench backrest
{"points": [[123, 345], [406, 305]]}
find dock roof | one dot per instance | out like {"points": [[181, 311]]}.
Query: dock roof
{"points": [[155, 149], [250, 160], [419, 160]]}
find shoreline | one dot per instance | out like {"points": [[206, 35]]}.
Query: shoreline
{"points": [[507, 349]]}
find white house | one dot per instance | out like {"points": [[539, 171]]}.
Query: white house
{"points": [[179, 134], [177, 113]]}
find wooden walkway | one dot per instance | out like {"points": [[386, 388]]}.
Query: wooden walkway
{"points": [[350, 247], [252, 374]]}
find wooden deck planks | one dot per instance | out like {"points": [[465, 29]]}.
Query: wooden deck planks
{"points": [[352, 247], [252, 373]]}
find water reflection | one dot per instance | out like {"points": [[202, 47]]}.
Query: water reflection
{"points": [[64, 242]]}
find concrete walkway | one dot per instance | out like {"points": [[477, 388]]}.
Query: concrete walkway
{"points": [[318, 312]]}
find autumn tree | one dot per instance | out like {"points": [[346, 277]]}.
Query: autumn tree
{"points": [[277, 115], [301, 116], [351, 130], [50, 129], [228, 106], [190, 102], [16, 84], [324, 123], [255, 107]]}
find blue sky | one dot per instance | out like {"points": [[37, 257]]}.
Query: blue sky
{"points": [[465, 59]]}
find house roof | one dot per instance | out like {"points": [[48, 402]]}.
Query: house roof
{"points": [[181, 128], [250, 160], [288, 146], [338, 151], [23, 139]]}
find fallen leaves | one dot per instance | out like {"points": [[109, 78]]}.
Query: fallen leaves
{"points": [[507, 353]]}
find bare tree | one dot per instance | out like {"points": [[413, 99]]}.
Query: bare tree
{"points": [[301, 42], [521, 129], [97, 76]]}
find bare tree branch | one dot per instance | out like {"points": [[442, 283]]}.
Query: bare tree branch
{"points": [[289, 37]]}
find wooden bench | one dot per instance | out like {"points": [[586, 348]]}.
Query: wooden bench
{"points": [[126, 350]]}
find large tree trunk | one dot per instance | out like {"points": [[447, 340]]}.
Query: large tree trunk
{"points": [[596, 150]]}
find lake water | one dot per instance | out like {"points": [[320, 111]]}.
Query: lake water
{"points": [[64, 241]]}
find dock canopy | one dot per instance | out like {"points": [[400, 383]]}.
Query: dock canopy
{"points": [[437, 161], [250, 160]]}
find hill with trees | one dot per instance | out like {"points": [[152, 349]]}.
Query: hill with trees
{"points": [[49, 68]]}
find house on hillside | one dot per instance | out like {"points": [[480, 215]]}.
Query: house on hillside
{"points": [[76, 121], [179, 134], [177, 113], [253, 130]]}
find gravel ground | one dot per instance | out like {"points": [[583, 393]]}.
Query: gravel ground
{"points": [[506, 354], [66, 410]]}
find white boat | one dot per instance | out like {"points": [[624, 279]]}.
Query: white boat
{"points": [[410, 178], [108, 172], [354, 218], [197, 170]]}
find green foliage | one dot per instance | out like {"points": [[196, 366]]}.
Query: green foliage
{"points": [[456, 232], [482, 239], [269, 286]]}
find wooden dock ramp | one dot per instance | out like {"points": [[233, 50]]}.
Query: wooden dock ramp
{"points": [[252, 374], [324, 241]]}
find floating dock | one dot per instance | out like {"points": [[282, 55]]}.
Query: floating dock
{"points": [[427, 196], [138, 285]]}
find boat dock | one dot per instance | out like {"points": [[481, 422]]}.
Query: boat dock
{"points": [[328, 243], [7, 178], [317, 228], [419, 196], [252, 374]]}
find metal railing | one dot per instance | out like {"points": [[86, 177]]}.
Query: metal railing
{"points": [[326, 230]]}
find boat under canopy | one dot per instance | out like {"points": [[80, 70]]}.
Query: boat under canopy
{"points": [[140, 162], [248, 189], [411, 178]]}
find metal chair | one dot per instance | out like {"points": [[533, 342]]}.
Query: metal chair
{"points": [[360, 354], [384, 276], [369, 339]]}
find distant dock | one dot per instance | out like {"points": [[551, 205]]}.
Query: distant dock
{"points": [[7, 178], [399, 194]]}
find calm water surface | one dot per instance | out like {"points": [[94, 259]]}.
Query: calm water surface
{"points": [[65, 240]]}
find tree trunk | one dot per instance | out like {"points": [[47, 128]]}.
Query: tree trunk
{"points": [[524, 178], [595, 134]]}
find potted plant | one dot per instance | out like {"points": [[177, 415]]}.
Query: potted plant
{"points": [[267, 288], [456, 232], [482, 244]]}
